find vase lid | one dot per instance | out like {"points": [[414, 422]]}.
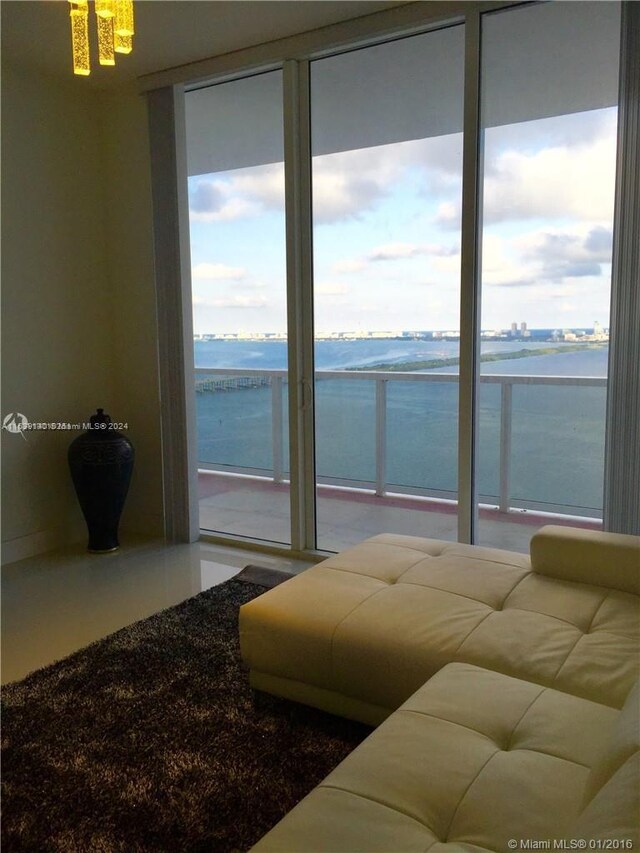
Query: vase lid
{"points": [[100, 418]]}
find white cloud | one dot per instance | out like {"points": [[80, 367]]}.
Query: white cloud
{"points": [[502, 267], [570, 253], [234, 208], [567, 307], [232, 301], [237, 195], [547, 257], [218, 272], [568, 246], [340, 192], [349, 183], [206, 196], [349, 265], [398, 251], [448, 214], [262, 185], [330, 288], [395, 251], [555, 182], [450, 263]]}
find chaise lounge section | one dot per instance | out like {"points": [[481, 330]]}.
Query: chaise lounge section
{"points": [[478, 761], [526, 732]]}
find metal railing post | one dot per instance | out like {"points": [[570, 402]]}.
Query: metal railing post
{"points": [[381, 436], [506, 389], [276, 427]]}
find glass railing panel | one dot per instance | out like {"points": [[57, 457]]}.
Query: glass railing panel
{"points": [[422, 437], [488, 457], [234, 422], [243, 453], [557, 453], [345, 430]]}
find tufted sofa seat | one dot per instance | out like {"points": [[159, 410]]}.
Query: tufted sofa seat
{"points": [[478, 761], [358, 634]]}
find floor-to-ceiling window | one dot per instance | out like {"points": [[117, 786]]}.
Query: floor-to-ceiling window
{"points": [[549, 122], [384, 234]]}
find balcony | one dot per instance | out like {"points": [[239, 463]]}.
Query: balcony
{"points": [[387, 454]]}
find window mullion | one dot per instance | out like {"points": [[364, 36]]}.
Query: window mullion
{"points": [[297, 148], [470, 289], [622, 452]]}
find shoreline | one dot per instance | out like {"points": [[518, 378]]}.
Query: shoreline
{"points": [[434, 363]]}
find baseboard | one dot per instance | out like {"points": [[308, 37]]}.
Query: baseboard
{"points": [[150, 526], [31, 545]]}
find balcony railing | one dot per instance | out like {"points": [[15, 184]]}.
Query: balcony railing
{"points": [[227, 379]]}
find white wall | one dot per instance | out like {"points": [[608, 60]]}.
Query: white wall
{"points": [[78, 319]]}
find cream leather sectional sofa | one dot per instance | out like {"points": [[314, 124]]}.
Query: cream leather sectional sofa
{"points": [[526, 730]]}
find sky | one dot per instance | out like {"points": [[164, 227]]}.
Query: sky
{"points": [[387, 234]]}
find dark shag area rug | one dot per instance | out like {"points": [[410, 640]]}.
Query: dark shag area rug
{"points": [[152, 740]]}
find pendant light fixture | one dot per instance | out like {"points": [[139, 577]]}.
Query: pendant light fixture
{"points": [[115, 27]]}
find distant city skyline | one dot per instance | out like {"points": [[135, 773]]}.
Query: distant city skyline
{"points": [[595, 332]]}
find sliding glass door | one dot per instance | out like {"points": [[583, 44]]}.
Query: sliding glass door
{"points": [[386, 139]]}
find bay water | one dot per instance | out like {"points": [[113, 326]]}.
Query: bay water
{"points": [[557, 454]]}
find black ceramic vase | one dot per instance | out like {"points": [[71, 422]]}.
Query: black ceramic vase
{"points": [[101, 463]]}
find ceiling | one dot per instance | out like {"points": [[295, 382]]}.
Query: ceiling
{"points": [[36, 33]]}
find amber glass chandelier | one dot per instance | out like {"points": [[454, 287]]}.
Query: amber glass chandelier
{"points": [[114, 20]]}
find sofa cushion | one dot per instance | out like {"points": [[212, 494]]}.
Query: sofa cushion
{"points": [[471, 760], [376, 621], [586, 556]]}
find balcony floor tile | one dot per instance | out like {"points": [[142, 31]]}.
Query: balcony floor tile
{"points": [[258, 508]]}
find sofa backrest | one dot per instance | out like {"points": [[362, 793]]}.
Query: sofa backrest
{"points": [[612, 794], [587, 556]]}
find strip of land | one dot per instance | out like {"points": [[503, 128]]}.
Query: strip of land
{"points": [[435, 363]]}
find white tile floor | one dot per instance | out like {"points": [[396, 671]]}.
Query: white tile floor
{"points": [[57, 603]]}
